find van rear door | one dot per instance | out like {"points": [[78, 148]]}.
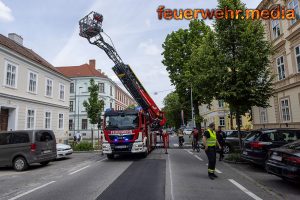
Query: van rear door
{"points": [[45, 143], [5, 141]]}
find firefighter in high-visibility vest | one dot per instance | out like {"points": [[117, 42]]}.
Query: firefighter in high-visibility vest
{"points": [[210, 143]]}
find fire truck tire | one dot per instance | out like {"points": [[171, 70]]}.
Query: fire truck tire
{"points": [[110, 156]]}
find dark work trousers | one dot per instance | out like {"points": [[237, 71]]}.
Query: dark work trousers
{"points": [[211, 156]]}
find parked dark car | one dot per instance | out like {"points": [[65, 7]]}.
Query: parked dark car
{"points": [[257, 144], [22, 148], [285, 161], [232, 140]]}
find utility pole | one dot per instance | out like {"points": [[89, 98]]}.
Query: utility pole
{"points": [[192, 108]]}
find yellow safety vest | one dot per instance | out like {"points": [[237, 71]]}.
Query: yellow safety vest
{"points": [[212, 140]]}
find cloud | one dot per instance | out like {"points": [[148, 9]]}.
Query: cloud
{"points": [[149, 48], [5, 13]]}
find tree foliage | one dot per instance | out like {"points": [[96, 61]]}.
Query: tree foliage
{"points": [[242, 68], [94, 105], [178, 48], [172, 109]]}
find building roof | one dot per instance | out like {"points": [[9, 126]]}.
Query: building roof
{"points": [[27, 53], [85, 70]]}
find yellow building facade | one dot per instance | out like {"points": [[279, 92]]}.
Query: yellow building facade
{"points": [[219, 113]]}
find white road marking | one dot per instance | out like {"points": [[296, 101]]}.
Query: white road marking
{"points": [[176, 145], [244, 189], [25, 193], [198, 158], [78, 170], [218, 171], [171, 179]]}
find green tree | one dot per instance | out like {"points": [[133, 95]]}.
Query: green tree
{"points": [[172, 109], [178, 48], [236, 59], [94, 105]]}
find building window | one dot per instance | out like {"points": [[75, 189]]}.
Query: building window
{"points": [[60, 121], [11, 73], [30, 119], [221, 103], [297, 51], [111, 91], [47, 120], [71, 106], [280, 67], [222, 121], [61, 92], [71, 87], [84, 124], [101, 87], [32, 82], [294, 5], [263, 115], [71, 124], [275, 28], [285, 110], [49, 85]]}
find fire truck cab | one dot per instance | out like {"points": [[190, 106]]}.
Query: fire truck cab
{"points": [[127, 132]]}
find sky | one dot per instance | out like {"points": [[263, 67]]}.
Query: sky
{"points": [[50, 28]]}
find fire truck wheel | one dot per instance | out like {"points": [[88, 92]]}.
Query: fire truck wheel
{"points": [[110, 156]]}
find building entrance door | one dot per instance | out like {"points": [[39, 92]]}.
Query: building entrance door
{"points": [[3, 119]]}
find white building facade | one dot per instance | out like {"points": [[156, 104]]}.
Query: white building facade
{"points": [[81, 76], [33, 94]]}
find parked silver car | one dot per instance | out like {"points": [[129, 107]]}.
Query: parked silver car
{"points": [[21, 148]]}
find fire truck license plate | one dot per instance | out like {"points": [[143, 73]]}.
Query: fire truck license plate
{"points": [[121, 147]]}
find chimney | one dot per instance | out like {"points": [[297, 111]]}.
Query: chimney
{"points": [[92, 63], [16, 38]]}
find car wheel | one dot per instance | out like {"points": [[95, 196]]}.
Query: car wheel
{"points": [[45, 163], [110, 156], [20, 164], [226, 149]]}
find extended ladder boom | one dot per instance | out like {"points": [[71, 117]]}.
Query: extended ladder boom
{"points": [[91, 28]]}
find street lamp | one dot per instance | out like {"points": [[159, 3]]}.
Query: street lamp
{"points": [[78, 110]]}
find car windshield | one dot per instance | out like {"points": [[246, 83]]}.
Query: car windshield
{"points": [[252, 136], [121, 122]]}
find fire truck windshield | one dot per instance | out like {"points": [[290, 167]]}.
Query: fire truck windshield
{"points": [[121, 122]]}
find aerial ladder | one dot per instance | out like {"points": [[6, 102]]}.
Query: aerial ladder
{"points": [[91, 29]]}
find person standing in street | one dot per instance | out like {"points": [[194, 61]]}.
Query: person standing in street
{"points": [[221, 139], [210, 143]]}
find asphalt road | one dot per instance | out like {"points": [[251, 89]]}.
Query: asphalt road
{"points": [[181, 174]]}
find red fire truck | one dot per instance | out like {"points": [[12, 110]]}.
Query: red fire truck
{"points": [[125, 131]]}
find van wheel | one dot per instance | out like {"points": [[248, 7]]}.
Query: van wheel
{"points": [[20, 164], [110, 156], [45, 163]]}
